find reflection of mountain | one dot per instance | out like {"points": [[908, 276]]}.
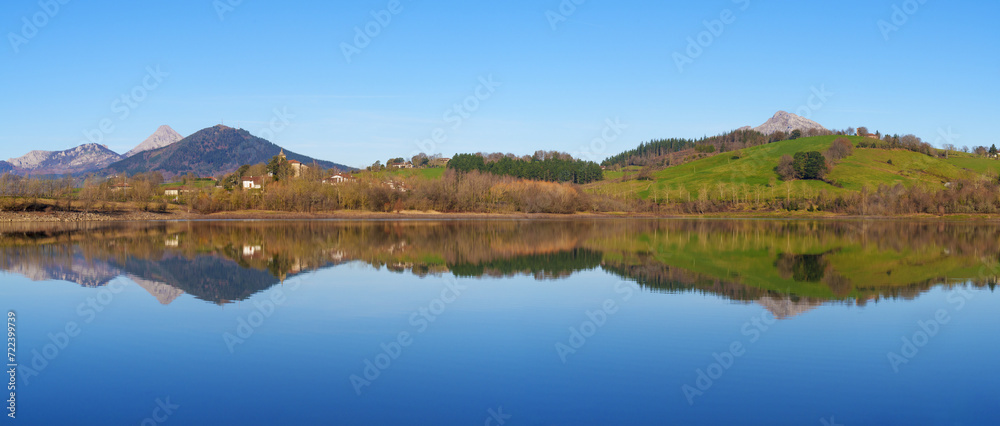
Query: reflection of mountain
{"points": [[787, 267], [786, 307], [208, 278], [164, 293], [44, 263]]}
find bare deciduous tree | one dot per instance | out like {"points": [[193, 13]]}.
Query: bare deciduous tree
{"points": [[786, 168], [841, 148]]}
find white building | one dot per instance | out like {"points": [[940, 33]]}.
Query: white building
{"points": [[253, 182]]}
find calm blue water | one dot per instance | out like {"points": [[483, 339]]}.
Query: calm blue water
{"points": [[478, 347]]}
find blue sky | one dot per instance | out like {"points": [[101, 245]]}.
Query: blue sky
{"points": [[278, 69]]}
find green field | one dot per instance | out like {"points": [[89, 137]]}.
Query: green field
{"points": [[193, 183], [428, 173], [975, 163], [422, 173], [753, 172]]}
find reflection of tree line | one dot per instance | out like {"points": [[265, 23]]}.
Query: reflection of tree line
{"points": [[457, 243], [741, 260], [802, 267], [815, 260], [658, 277], [541, 266]]}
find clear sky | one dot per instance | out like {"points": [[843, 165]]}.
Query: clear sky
{"points": [[562, 74]]}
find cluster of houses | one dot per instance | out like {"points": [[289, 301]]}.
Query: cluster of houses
{"points": [[257, 182], [339, 178], [434, 162]]}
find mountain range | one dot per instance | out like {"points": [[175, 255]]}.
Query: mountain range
{"points": [[84, 158], [218, 150], [208, 152]]}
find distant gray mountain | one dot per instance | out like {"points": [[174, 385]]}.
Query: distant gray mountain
{"points": [[162, 137], [82, 159], [786, 122]]}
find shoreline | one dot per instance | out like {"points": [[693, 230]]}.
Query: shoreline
{"points": [[142, 216]]}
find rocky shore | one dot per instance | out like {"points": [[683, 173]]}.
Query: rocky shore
{"points": [[139, 215], [7, 216]]}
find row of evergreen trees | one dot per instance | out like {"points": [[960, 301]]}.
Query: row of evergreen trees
{"points": [[653, 148], [648, 152], [552, 169]]}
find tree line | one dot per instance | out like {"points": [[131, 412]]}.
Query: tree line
{"points": [[471, 191], [457, 191], [670, 152], [551, 167], [92, 193]]}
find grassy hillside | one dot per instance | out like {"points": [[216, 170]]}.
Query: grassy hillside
{"points": [[752, 171], [975, 163]]}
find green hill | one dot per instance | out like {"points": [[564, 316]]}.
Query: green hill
{"points": [[751, 172]]}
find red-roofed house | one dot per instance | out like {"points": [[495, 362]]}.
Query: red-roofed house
{"points": [[297, 166]]}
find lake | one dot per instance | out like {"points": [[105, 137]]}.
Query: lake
{"points": [[504, 322]]}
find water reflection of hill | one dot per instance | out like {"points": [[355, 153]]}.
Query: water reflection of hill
{"points": [[786, 266], [210, 278]]}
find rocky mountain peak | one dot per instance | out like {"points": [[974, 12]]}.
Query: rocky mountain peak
{"points": [[163, 136], [783, 121]]}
